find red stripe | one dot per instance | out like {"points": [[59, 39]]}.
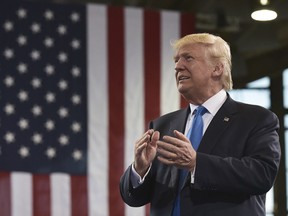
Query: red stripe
{"points": [[187, 27], [5, 194], [41, 195], [152, 67], [116, 107], [79, 196], [152, 64]]}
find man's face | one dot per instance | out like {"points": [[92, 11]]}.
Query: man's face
{"points": [[193, 71]]}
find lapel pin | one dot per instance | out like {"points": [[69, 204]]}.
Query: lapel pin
{"points": [[226, 119]]}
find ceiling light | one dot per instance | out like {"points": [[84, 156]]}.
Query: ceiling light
{"points": [[264, 12]]}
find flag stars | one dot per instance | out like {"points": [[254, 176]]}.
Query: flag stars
{"points": [[51, 152], [22, 40], [9, 137], [35, 55], [37, 138], [48, 42], [63, 85], [62, 29], [36, 83], [77, 155], [8, 26], [75, 17], [23, 124], [76, 99], [24, 151], [21, 13], [63, 112], [49, 15], [50, 97], [76, 127], [9, 81], [35, 28], [9, 109], [63, 140], [23, 95], [75, 71], [8, 53], [36, 110], [49, 125], [22, 68], [62, 57], [49, 69], [75, 44]]}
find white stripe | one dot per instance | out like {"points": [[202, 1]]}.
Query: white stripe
{"points": [[60, 194], [97, 111], [170, 28], [21, 194], [134, 90]]}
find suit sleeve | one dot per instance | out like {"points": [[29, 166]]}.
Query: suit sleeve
{"points": [[250, 171]]}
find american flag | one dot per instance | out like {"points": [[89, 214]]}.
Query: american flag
{"points": [[79, 84]]}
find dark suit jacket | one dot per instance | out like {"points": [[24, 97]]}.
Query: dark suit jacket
{"points": [[237, 163]]}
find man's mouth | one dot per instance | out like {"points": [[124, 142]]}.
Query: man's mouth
{"points": [[181, 78]]}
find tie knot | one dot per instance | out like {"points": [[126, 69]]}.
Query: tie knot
{"points": [[201, 110]]}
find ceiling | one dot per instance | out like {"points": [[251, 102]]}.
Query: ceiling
{"points": [[258, 48]]}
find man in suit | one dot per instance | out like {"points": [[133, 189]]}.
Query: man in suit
{"points": [[237, 160]]}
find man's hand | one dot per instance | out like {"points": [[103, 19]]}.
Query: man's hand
{"points": [[145, 151], [177, 151]]}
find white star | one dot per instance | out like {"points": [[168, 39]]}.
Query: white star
{"points": [[9, 109], [51, 152], [21, 13], [49, 125], [63, 57], [76, 99], [35, 27], [35, 55], [24, 151], [76, 127], [62, 29], [48, 42], [49, 69], [75, 44], [36, 138], [22, 68], [9, 137], [77, 155], [76, 72], [22, 40], [63, 140], [75, 17], [36, 110], [23, 124], [23, 95], [63, 112], [36, 82], [50, 97], [8, 26], [63, 85], [8, 53], [9, 81], [49, 15]]}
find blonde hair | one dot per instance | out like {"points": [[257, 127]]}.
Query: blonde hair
{"points": [[216, 48]]}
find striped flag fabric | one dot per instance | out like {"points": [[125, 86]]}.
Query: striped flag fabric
{"points": [[79, 84]]}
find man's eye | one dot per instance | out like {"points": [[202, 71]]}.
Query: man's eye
{"points": [[188, 58]]}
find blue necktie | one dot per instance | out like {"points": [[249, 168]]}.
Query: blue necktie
{"points": [[195, 135]]}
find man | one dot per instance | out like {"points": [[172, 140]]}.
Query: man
{"points": [[237, 160]]}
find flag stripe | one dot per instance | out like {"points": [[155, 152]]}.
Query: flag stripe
{"points": [[98, 110], [41, 195], [5, 194], [116, 106], [79, 202]]}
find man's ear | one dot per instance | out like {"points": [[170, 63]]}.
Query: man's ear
{"points": [[218, 69]]}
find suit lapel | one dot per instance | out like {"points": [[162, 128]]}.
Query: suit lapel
{"points": [[218, 125]]}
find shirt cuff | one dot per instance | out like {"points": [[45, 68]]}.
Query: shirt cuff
{"points": [[136, 179]]}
